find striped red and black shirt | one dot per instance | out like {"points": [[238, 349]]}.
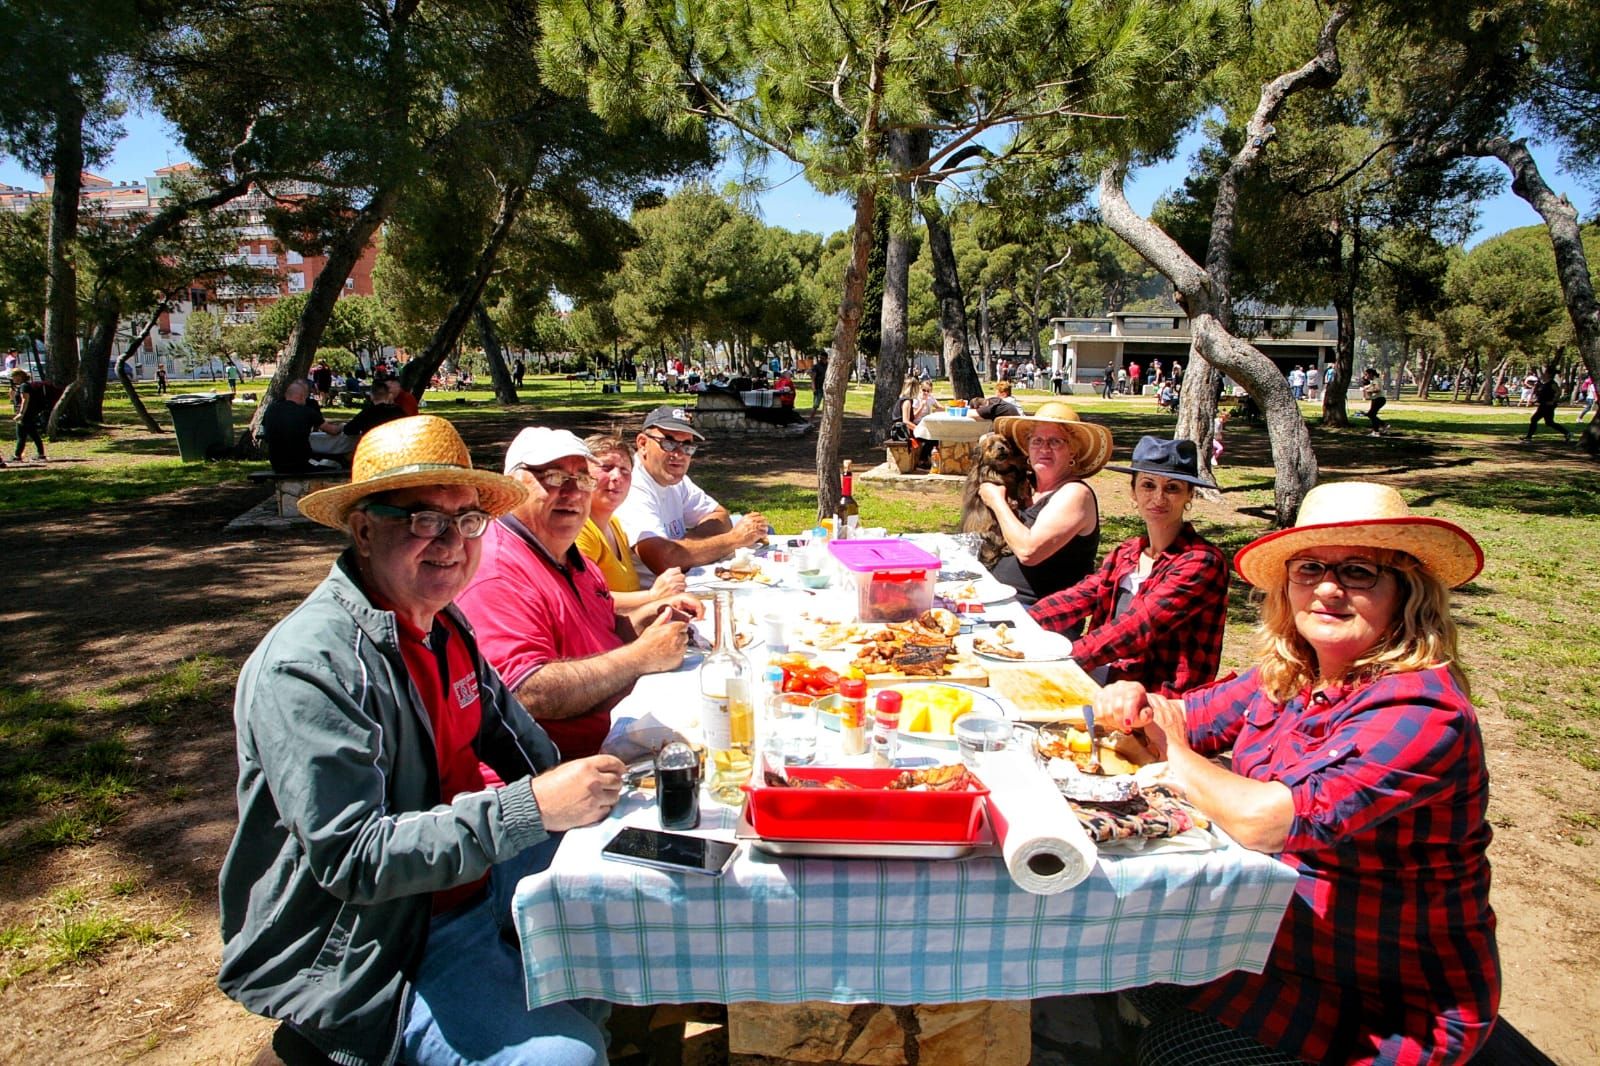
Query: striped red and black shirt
{"points": [[1387, 954], [1170, 638]]}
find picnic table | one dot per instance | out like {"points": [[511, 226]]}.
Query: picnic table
{"points": [[955, 434], [849, 931]]}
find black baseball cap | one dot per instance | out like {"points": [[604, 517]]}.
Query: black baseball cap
{"points": [[673, 418]]}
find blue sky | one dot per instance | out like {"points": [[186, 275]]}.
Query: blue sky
{"points": [[152, 143]]}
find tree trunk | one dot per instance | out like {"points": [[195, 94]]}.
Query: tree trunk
{"points": [[343, 255], [837, 383], [419, 372], [126, 378], [1294, 461], [964, 377], [61, 279], [1572, 267], [86, 388], [1491, 383], [1424, 373], [505, 392], [892, 357]]}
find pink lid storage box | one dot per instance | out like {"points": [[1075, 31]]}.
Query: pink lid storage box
{"points": [[894, 579]]}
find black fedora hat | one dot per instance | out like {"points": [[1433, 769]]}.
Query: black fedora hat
{"points": [[1176, 459]]}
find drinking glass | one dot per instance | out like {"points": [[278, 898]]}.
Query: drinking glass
{"points": [[678, 786], [977, 734], [793, 719]]}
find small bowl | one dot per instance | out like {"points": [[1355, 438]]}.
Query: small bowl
{"points": [[815, 579]]}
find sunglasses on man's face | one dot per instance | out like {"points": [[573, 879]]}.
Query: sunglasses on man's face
{"points": [[668, 445], [555, 479]]}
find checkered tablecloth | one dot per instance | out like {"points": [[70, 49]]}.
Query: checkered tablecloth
{"points": [[868, 931]]}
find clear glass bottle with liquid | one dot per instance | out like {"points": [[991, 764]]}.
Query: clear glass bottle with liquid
{"points": [[726, 712]]}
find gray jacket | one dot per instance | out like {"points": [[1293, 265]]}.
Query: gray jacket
{"points": [[326, 891]]}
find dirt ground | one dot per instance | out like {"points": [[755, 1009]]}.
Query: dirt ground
{"points": [[127, 589]]}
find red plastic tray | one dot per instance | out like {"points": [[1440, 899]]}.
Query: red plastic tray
{"points": [[872, 813]]}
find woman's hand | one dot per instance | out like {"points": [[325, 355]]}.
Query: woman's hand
{"points": [[995, 496], [1123, 705], [1168, 728]]}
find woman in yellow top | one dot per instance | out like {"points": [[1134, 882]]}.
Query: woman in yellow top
{"points": [[602, 540]]}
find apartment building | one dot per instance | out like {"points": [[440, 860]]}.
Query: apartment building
{"points": [[288, 271]]}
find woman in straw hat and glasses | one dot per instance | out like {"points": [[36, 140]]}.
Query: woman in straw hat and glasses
{"points": [[1357, 760], [1053, 541], [1157, 605], [392, 792]]}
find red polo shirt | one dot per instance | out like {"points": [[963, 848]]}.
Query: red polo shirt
{"points": [[528, 609], [442, 669]]}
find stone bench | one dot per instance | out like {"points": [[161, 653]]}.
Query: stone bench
{"points": [[288, 488]]}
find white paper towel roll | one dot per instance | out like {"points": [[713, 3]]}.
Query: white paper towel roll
{"points": [[1044, 847]]}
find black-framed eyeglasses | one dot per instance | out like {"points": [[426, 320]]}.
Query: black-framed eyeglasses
{"points": [[668, 445], [430, 525], [554, 479], [1350, 574]]}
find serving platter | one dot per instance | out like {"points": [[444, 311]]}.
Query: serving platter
{"points": [[857, 849]]}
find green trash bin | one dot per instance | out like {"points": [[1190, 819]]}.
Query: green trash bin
{"points": [[203, 423]]}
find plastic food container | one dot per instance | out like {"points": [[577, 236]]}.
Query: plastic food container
{"points": [[870, 813], [893, 579]]}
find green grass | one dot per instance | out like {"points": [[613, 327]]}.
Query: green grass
{"points": [[65, 765], [72, 928]]}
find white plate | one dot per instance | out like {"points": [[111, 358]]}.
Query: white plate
{"points": [[1043, 647], [987, 590]]}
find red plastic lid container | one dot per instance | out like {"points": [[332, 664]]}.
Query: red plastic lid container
{"points": [[872, 813]]}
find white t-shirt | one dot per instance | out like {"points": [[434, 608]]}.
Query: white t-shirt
{"points": [[653, 510]]}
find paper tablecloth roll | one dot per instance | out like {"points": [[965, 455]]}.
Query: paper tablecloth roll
{"points": [[1044, 847]]}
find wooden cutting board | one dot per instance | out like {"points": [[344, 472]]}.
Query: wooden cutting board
{"points": [[1044, 692]]}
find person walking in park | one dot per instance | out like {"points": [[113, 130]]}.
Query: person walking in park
{"points": [[518, 370], [232, 373], [161, 379], [819, 375], [1586, 394], [1544, 410], [34, 400], [1372, 391]]}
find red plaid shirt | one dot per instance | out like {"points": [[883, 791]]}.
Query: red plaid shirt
{"points": [[1387, 954], [1171, 638]]}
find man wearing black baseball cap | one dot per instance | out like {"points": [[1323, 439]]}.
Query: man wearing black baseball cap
{"points": [[670, 521]]}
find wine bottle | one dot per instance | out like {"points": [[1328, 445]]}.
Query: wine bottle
{"points": [[726, 713], [849, 512]]}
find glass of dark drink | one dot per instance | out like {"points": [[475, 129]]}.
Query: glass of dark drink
{"points": [[678, 785]]}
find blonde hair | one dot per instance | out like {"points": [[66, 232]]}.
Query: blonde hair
{"points": [[1422, 634], [601, 443]]}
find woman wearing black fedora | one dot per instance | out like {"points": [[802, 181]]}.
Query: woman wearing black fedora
{"points": [[1157, 605]]}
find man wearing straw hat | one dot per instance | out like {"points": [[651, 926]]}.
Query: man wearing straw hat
{"points": [[392, 791]]}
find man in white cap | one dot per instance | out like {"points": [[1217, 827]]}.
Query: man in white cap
{"points": [[392, 792], [542, 612], [671, 521]]}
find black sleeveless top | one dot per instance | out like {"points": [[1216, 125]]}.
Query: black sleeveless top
{"points": [[1069, 565]]}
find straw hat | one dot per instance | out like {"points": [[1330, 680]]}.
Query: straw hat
{"points": [[419, 451], [1361, 514], [1091, 443]]}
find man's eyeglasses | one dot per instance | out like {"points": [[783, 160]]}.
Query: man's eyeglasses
{"points": [[554, 479], [430, 525], [1350, 574], [668, 445]]}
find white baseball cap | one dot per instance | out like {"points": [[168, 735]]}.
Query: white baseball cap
{"points": [[539, 446]]}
